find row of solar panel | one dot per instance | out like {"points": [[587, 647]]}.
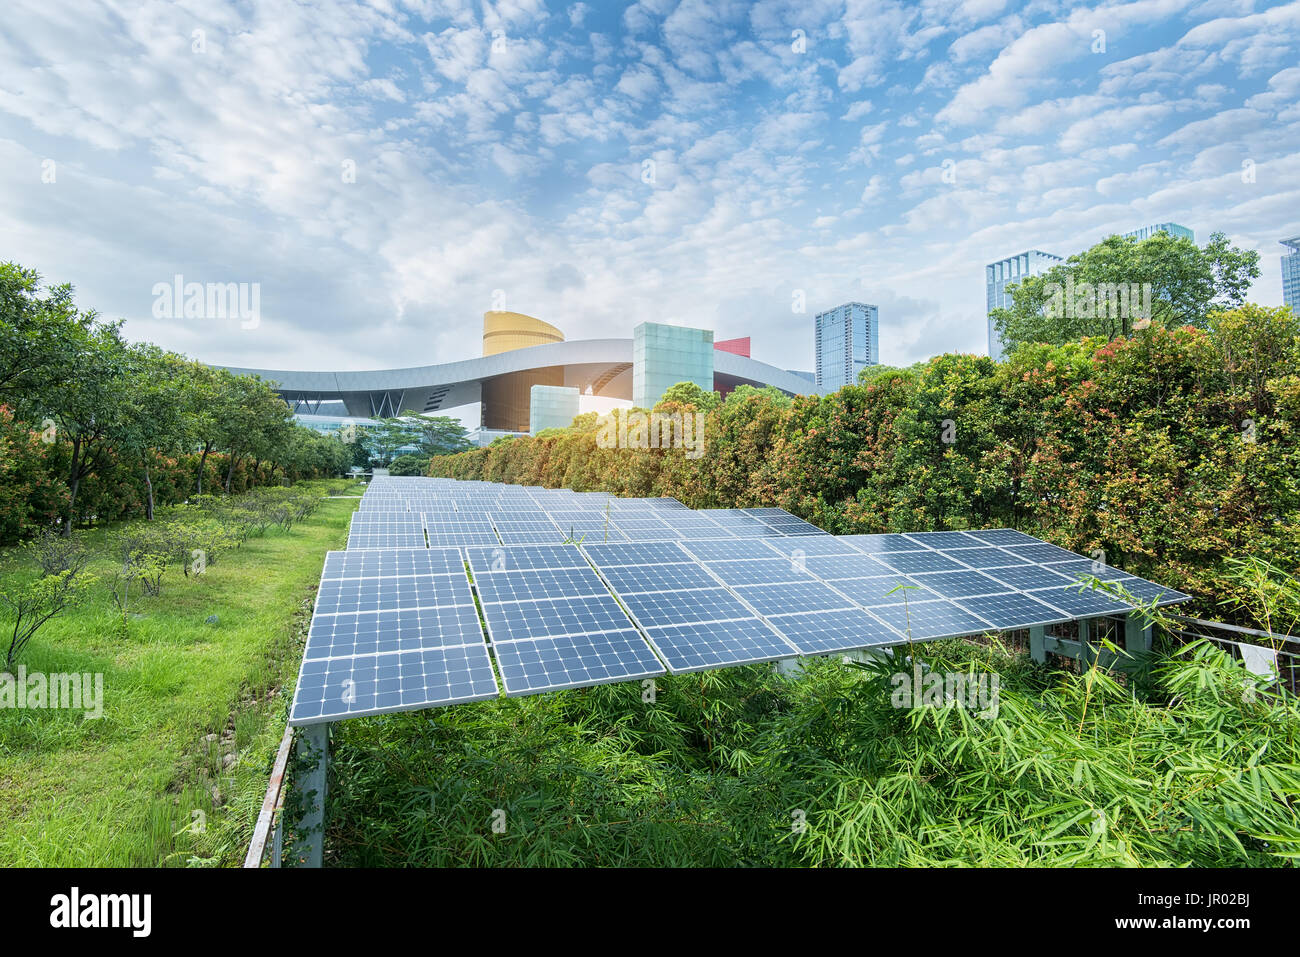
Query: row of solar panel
{"points": [[386, 622]]}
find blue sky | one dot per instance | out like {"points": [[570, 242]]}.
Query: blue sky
{"points": [[797, 149]]}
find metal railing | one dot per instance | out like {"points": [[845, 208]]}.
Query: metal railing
{"points": [[1285, 648], [272, 807]]}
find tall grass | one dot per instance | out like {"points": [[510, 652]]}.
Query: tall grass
{"points": [[746, 767]]}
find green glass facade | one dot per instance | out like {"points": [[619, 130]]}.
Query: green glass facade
{"points": [[551, 407], [664, 355]]}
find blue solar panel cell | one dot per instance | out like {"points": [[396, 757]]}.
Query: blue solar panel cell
{"points": [[959, 584], [924, 620], [731, 550], [1012, 610], [574, 661], [917, 562], [1083, 603], [534, 583], [875, 544], [882, 590], [553, 617], [404, 629], [373, 594], [759, 571], [696, 647], [634, 553], [944, 539], [681, 576], [985, 557], [1003, 536], [823, 632], [668, 608], [331, 689], [792, 597], [1026, 577], [834, 567], [503, 558]]}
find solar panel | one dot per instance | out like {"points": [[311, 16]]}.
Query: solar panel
{"points": [[924, 620], [823, 632], [483, 535], [394, 629], [698, 646], [832, 567], [959, 584], [944, 539], [1079, 603], [874, 544], [575, 661], [808, 545], [392, 563], [1026, 577], [534, 583], [917, 561], [365, 540], [883, 590], [483, 560], [984, 557], [630, 579], [789, 597], [373, 594], [758, 571], [1041, 553], [330, 689], [1012, 610], [675, 608], [732, 549], [633, 553], [554, 617]]}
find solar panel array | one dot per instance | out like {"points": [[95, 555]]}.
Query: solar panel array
{"points": [[582, 588]]}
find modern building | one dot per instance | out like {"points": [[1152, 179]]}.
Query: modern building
{"points": [[551, 407], [1291, 274], [663, 355], [520, 352], [1173, 229], [1006, 272], [846, 340]]}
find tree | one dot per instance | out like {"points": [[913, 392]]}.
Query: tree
{"points": [[154, 414], [36, 334], [1120, 285], [439, 434], [688, 393], [86, 401]]}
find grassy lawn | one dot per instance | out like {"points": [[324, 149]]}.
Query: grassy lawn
{"points": [[175, 770]]}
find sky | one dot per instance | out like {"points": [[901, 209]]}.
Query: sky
{"points": [[385, 172]]}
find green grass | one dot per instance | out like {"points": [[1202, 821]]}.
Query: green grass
{"points": [[123, 790]]}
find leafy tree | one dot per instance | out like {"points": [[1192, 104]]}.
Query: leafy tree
{"points": [[438, 434], [409, 465], [689, 393], [154, 415], [1092, 293], [38, 337]]}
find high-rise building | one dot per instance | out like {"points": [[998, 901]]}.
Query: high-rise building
{"points": [[1009, 271], [1291, 275], [846, 341], [1173, 229]]}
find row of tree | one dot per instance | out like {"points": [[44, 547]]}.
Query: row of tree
{"points": [[78, 398], [1170, 451]]}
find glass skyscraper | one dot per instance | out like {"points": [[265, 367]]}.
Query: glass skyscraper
{"points": [[1009, 271], [1291, 275], [846, 340], [1173, 229]]}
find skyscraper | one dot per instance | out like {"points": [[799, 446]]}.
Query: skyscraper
{"points": [[846, 340], [1173, 229], [998, 275], [1291, 275]]}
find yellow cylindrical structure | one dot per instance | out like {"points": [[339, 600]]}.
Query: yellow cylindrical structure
{"points": [[504, 331]]}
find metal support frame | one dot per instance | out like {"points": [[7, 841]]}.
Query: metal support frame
{"points": [[1137, 639], [314, 750]]}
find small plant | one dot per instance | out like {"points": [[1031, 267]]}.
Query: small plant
{"points": [[32, 604], [55, 554]]}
